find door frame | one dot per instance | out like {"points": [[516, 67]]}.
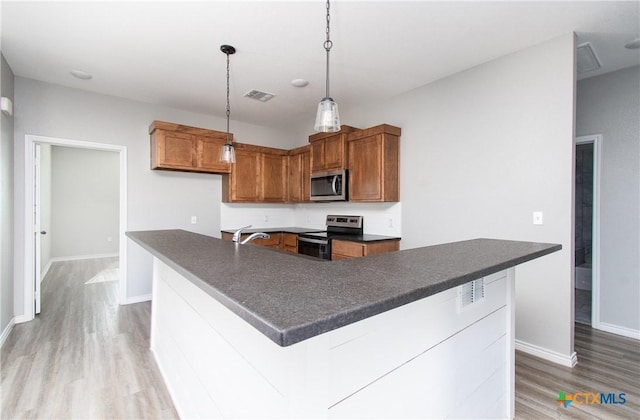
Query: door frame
{"points": [[596, 140], [29, 184]]}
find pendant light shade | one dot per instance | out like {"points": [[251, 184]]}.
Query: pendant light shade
{"points": [[228, 154], [327, 118]]}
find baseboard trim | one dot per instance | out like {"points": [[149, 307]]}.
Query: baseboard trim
{"points": [[45, 270], [7, 331], [83, 257], [138, 299], [19, 319], [546, 354], [616, 329]]}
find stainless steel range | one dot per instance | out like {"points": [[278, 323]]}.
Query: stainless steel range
{"points": [[318, 244]]}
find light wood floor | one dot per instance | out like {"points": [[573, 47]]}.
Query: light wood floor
{"points": [[606, 363], [84, 356], [87, 357]]}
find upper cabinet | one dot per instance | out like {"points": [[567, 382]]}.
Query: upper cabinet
{"points": [[329, 150], [374, 164], [299, 174], [274, 177], [258, 176], [184, 148], [268, 175]]}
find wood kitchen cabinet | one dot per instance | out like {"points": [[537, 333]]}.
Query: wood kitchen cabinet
{"points": [[278, 240], [374, 164], [274, 177], [342, 250], [299, 174], [329, 150], [183, 148], [259, 175], [290, 242]]}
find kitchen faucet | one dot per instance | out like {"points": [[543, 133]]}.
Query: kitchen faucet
{"points": [[236, 234], [255, 236]]}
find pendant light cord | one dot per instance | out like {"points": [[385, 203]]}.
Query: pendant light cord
{"points": [[228, 107], [327, 46]]}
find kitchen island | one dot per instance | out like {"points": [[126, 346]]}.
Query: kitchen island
{"points": [[245, 331]]}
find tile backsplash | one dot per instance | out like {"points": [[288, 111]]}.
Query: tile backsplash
{"points": [[379, 218]]}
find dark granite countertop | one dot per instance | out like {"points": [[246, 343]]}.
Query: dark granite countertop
{"points": [[290, 299], [275, 230]]}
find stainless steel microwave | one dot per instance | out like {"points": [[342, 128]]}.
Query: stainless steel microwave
{"points": [[329, 186]]}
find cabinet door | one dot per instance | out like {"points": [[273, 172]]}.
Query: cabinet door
{"points": [[209, 154], [245, 183], [274, 178], [174, 150], [317, 156], [299, 177], [295, 178], [290, 242], [305, 175], [341, 250], [366, 169], [334, 152]]}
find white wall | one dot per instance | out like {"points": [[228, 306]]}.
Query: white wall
{"points": [[610, 105], [379, 218], [480, 151], [45, 206], [85, 185], [156, 199], [6, 200]]}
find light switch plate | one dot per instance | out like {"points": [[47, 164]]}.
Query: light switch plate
{"points": [[537, 218]]}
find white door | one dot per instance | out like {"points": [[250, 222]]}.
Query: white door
{"points": [[36, 227]]}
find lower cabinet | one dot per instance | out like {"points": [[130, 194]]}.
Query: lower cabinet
{"points": [[290, 242], [282, 241], [342, 250]]}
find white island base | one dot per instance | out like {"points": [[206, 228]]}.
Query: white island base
{"points": [[431, 358]]}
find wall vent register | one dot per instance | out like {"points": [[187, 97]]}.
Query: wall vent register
{"points": [[471, 292]]}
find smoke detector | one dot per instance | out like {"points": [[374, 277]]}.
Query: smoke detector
{"points": [[258, 95]]}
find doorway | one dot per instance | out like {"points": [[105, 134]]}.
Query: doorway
{"points": [[587, 230], [32, 228]]}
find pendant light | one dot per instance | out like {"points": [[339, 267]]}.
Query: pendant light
{"points": [[228, 151], [327, 118]]}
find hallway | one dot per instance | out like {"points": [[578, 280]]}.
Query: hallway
{"points": [[84, 356]]}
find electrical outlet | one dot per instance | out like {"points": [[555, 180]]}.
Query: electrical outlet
{"points": [[266, 219], [194, 220], [537, 218], [390, 222], [109, 239]]}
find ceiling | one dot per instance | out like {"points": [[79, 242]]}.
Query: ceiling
{"points": [[167, 53]]}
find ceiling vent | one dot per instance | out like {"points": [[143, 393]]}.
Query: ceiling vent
{"points": [[586, 58], [258, 95]]}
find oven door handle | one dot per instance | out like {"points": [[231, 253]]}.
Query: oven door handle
{"points": [[313, 241]]}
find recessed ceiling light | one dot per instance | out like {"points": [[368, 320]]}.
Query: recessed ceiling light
{"points": [[634, 44], [299, 82], [83, 75]]}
